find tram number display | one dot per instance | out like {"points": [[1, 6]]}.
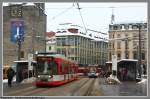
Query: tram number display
{"points": [[45, 58]]}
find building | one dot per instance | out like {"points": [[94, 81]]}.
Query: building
{"points": [[83, 48], [51, 42], [33, 19], [124, 40]]}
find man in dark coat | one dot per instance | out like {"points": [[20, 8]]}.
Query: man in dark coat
{"points": [[10, 75]]}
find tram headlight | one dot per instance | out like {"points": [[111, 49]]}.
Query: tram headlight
{"points": [[49, 76], [39, 76]]}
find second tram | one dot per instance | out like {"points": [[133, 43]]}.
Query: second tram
{"points": [[94, 71]]}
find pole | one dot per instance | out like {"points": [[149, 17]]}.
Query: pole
{"points": [[19, 48], [126, 48], [139, 50]]}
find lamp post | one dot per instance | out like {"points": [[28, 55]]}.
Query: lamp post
{"points": [[19, 47], [139, 50]]}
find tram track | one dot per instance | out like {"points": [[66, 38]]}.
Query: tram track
{"points": [[90, 89], [83, 89], [69, 87]]}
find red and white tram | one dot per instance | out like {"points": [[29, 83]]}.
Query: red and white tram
{"points": [[54, 70]]}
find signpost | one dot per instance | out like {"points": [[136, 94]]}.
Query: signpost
{"points": [[114, 65], [30, 67]]}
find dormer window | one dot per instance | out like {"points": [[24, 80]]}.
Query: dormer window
{"points": [[73, 30], [115, 27], [134, 27]]}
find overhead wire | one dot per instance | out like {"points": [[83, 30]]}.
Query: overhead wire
{"points": [[61, 13], [81, 16], [99, 7]]}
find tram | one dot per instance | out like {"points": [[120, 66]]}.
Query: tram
{"points": [[83, 71], [54, 70], [93, 71]]}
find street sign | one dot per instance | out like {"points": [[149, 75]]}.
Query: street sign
{"points": [[30, 56], [30, 59], [16, 31], [114, 62]]}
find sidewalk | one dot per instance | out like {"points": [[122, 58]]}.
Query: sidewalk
{"points": [[6, 80]]}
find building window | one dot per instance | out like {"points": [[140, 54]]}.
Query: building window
{"points": [[135, 45], [113, 35], [118, 45], [134, 27], [109, 45], [142, 44], [115, 27], [135, 55], [22, 54], [135, 35], [143, 56], [126, 35], [118, 35], [113, 45], [145, 26], [63, 41], [49, 48], [58, 50], [126, 27], [119, 56], [109, 56]]}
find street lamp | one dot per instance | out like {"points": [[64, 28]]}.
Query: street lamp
{"points": [[139, 49]]}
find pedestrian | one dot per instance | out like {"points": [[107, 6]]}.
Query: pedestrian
{"points": [[124, 73], [10, 75]]}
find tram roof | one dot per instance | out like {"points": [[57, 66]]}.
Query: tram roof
{"points": [[53, 55]]}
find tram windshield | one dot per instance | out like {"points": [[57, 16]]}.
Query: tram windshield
{"points": [[46, 66], [92, 69]]}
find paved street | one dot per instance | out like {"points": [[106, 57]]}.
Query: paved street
{"points": [[80, 87], [124, 89]]}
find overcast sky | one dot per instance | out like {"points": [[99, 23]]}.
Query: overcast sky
{"points": [[96, 16]]}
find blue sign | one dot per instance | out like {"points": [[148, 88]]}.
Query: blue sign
{"points": [[17, 31]]}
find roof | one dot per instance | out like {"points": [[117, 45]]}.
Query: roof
{"points": [[92, 34], [124, 60], [128, 60], [109, 62], [21, 61]]}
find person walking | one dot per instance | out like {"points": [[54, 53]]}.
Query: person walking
{"points": [[10, 75]]}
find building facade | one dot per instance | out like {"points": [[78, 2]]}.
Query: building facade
{"points": [[83, 48], [34, 23], [124, 41]]}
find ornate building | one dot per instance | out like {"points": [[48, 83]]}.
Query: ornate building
{"points": [[124, 40]]}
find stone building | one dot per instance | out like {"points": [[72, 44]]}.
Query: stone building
{"points": [[34, 19], [124, 40]]}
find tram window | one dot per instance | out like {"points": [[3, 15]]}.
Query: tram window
{"points": [[40, 66], [54, 68], [62, 68]]}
